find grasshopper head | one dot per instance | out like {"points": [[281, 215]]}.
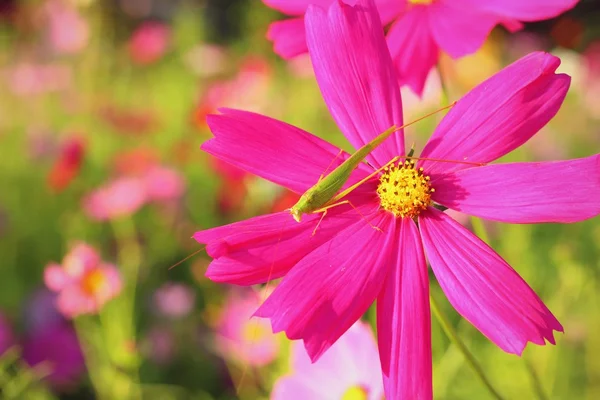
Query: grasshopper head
{"points": [[296, 214]]}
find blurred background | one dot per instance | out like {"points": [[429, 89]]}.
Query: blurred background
{"points": [[102, 112]]}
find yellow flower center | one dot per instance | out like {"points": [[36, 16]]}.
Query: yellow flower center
{"points": [[420, 1], [403, 190], [254, 332], [356, 393], [93, 282]]}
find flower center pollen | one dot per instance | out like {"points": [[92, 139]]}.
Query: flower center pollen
{"points": [[420, 1], [403, 190], [357, 392]]}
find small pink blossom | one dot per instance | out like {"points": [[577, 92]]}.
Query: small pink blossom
{"points": [[160, 345], [421, 29], [68, 30], [174, 300], [83, 281], [163, 184], [149, 42], [67, 166], [243, 338], [118, 198], [331, 278], [349, 370], [30, 79], [249, 89]]}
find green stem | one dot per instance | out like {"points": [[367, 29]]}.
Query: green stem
{"points": [[444, 87], [97, 364], [454, 338], [118, 319], [535, 380]]}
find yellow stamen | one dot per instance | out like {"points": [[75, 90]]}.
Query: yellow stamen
{"points": [[355, 393], [254, 332], [403, 190], [93, 282], [420, 1]]}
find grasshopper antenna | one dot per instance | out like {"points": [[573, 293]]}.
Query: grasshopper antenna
{"points": [[187, 258]]}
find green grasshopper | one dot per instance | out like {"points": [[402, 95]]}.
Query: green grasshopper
{"points": [[325, 194]]}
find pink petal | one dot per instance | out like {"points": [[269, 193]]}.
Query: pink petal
{"points": [[388, 9], [265, 248], [412, 47], [55, 277], [296, 388], [404, 321], [355, 73], [554, 191], [498, 115], [288, 37], [460, 30], [296, 7], [511, 25], [330, 288], [273, 149], [530, 10], [483, 288], [351, 362]]}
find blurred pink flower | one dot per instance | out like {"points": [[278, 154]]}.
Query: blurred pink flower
{"points": [[207, 60], [118, 198], [349, 370], [232, 191], [174, 300], [422, 28], [57, 346], [159, 345], [163, 184], [84, 282], [149, 42], [248, 90], [7, 336], [591, 87], [243, 338], [130, 121], [68, 164], [29, 79], [68, 30]]}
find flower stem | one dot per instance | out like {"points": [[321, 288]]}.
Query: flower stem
{"points": [[118, 318], [535, 380], [454, 338]]}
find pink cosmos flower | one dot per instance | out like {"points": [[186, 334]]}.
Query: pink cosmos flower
{"points": [[84, 282], [241, 337], [30, 79], [68, 31], [118, 198], [149, 42], [68, 164], [349, 370], [422, 28], [331, 278], [174, 300], [163, 184], [248, 89]]}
